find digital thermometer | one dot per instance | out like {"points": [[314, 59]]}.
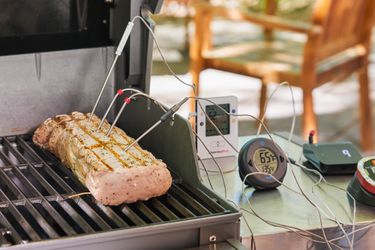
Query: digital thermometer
{"points": [[264, 156], [213, 109]]}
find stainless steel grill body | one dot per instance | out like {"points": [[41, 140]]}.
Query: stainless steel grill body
{"points": [[34, 87], [35, 211]]}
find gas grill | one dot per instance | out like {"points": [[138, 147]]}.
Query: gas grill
{"points": [[42, 76]]}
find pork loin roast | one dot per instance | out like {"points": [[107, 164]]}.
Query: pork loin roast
{"points": [[99, 161]]}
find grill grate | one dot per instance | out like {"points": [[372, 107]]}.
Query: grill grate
{"points": [[34, 187]]}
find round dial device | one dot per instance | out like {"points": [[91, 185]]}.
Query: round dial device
{"points": [[362, 185], [366, 174], [262, 155]]}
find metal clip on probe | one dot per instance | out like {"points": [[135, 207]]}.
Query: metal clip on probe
{"points": [[118, 52], [163, 118]]}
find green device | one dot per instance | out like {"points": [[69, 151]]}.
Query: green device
{"points": [[332, 157]]}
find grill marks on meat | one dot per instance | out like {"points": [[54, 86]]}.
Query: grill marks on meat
{"points": [[112, 175]]}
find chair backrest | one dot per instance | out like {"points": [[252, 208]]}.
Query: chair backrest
{"points": [[345, 24]]}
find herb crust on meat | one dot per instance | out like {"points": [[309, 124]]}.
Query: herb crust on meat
{"points": [[112, 175]]}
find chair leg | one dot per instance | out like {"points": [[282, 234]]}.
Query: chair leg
{"points": [[365, 111], [195, 73], [309, 117], [187, 19], [262, 103]]}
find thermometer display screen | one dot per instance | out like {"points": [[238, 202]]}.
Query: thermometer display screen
{"points": [[219, 118], [265, 160]]}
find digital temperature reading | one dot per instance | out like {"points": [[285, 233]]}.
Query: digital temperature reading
{"points": [[265, 160], [219, 118], [216, 116], [262, 163]]}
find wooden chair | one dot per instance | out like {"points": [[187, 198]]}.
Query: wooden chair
{"points": [[183, 4], [337, 45]]}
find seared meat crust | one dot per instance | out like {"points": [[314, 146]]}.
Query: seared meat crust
{"points": [[99, 161]]}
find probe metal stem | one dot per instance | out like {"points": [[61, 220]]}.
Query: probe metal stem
{"points": [[103, 87], [107, 112], [143, 135], [128, 100], [120, 48], [116, 119], [113, 101], [163, 118]]}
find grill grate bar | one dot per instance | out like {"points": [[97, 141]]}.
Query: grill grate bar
{"points": [[8, 188], [36, 215], [4, 238], [92, 213], [41, 181], [49, 170], [148, 213], [13, 233], [6, 151], [176, 205], [202, 198], [83, 203], [34, 199], [76, 218], [188, 201], [113, 215], [52, 212], [38, 219], [4, 161], [20, 219], [163, 209], [132, 216]]}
